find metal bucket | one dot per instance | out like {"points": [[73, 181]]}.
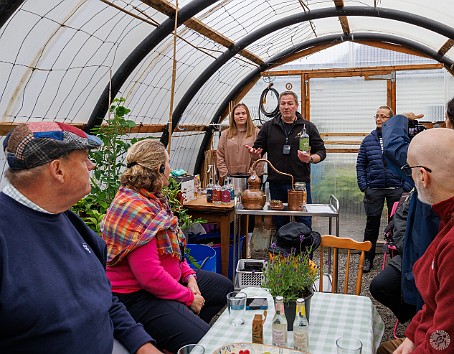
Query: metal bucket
{"points": [[239, 182]]}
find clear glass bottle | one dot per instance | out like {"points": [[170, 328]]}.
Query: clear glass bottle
{"points": [[225, 193], [217, 193], [232, 190], [279, 325], [304, 140], [301, 328], [210, 191]]}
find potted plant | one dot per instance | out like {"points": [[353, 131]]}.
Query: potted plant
{"points": [[291, 275]]}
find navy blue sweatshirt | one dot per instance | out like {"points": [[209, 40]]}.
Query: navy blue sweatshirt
{"points": [[54, 294]]}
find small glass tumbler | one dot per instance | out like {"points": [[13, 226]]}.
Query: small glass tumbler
{"points": [[349, 345]]}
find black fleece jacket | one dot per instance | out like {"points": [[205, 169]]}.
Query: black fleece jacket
{"points": [[272, 137]]}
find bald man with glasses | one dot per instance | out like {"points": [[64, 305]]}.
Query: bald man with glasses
{"points": [[430, 161]]}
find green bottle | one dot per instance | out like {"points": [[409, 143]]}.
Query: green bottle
{"points": [[304, 140]]}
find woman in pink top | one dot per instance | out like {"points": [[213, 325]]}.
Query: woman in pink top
{"points": [[232, 156], [146, 264]]}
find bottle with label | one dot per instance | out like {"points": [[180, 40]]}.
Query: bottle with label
{"points": [[257, 329], [304, 140], [225, 193], [210, 191], [232, 190], [279, 325], [301, 328], [217, 194]]}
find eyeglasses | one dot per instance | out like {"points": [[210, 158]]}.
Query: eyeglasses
{"points": [[381, 116], [407, 169]]}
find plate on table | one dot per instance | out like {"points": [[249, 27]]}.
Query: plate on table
{"points": [[253, 348]]}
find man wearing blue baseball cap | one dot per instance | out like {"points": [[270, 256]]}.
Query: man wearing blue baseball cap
{"points": [[54, 294]]}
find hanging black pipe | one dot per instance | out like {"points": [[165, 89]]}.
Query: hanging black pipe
{"points": [[138, 54], [7, 8], [302, 46]]}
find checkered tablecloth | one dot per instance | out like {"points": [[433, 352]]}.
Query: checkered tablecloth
{"points": [[331, 316]]}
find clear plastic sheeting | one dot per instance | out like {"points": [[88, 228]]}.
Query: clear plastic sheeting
{"points": [[59, 56]]}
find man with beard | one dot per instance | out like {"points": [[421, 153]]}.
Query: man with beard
{"points": [[430, 160]]}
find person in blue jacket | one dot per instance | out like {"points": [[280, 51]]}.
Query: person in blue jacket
{"points": [[54, 293], [422, 222], [377, 182]]}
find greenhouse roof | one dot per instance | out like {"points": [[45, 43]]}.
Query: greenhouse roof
{"points": [[65, 60], [61, 54]]}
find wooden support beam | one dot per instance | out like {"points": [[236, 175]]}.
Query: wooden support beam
{"points": [[168, 9], [326, 135], [342, 19], [393, 47], [342, 142], [391, 90], [347, 72], [302, 54], [342, 151], [445, 47], [6, 127]]}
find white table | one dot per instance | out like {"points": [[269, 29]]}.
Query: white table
{"points": [[332, 316], [330, 211]]}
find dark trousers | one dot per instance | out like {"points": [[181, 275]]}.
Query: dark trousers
{"points": [[173, 324], [386, 289], [374, 200], [280, 192]]}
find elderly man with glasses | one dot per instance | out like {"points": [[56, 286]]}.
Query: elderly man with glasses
{"points": [[431, 160], [377, 182]]}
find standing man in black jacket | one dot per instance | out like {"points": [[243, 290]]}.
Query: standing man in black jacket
{"points": [[279, 139]]}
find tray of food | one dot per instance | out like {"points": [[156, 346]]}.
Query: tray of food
{"points": [[276, 204]]}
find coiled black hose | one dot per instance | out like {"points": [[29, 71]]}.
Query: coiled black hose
{"points": [[263, 99]]}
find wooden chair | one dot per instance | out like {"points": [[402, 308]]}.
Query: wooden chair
{"points": [[337, 243]]}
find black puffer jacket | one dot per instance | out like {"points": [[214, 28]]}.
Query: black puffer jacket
{"points": [[371, 169], [272, 138]]}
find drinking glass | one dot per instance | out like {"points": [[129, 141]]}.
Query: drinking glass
{"points": [[236, 303], [191, 349], [349, 345]]}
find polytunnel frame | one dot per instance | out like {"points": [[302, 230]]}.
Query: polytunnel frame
{"points": [[193, 8], [137, 55], [149, 43], [279, 58]]}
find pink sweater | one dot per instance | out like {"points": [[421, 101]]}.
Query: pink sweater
{"points": [[144, 269]]}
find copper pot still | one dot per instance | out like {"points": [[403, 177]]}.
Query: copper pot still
{"points": [[254, 198]]}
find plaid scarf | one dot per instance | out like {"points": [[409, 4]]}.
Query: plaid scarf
{"points": [[134, 219]]}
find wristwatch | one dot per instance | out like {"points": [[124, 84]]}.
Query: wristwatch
{"points": [[311, 160]]}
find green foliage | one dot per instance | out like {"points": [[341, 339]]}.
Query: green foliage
{"points": [[190, 258], [291, 276], [109, 165], [174, 197], [109, 160], [343, 184]]}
